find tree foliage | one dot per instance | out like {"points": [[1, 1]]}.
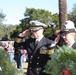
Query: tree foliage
{"points": [[63, 57], [40, 15], [72, 14], [6, 66], [2, 16], [6, 29]]}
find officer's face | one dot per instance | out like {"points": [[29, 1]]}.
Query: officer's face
{"points": [[68, 38], [37, 33]]}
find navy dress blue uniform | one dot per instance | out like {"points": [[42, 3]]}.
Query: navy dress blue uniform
{"points": [[38, 55], [74, 45], [17, 57]]}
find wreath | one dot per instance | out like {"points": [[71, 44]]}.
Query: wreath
{"points": [[62, 62], [6, 67]]}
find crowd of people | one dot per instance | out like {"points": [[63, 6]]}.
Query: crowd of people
{"points": [[8, 46]]}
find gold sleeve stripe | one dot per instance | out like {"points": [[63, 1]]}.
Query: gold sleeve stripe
{"points": [[50, 51], [18, 40]]}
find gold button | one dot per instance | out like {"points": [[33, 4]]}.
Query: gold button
{"points": [[31, 56], [37, 63], [38, 57], [37, 69], [30, 61], [30, 68]]}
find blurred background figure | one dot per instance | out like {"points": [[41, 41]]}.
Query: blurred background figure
{"points": [[24, 53], [6, 38], [18, 57], [1, 47], [10, 50]]}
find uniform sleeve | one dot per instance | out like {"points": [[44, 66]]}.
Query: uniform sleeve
{"points": [[19, 39], [22, 42], [51, 48], [18, 42]]}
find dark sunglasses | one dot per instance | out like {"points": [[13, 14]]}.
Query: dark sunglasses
{"points": [[35, 30], [63, 34]]}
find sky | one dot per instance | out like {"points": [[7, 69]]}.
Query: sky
{"points": [[14, 9]]}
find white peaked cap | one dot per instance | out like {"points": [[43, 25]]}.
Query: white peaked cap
{"points": [[36, 23], [68, 25]]}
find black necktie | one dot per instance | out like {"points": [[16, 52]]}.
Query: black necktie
{"points": [[36, 42]]}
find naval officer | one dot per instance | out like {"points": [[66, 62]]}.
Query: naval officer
{"points": [[68, 32], [38, 54]]}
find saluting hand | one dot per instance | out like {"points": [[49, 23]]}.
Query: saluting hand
{"points": [[25, 33], [57, 39]]}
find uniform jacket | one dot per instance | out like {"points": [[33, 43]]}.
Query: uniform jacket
{"points": [[74, 46], [37, 55]]}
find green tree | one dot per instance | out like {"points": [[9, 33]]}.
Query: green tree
{"points": [[6, 30], [36, 14], [6, 67], [2, 16], [72, 14], [63, 57]]}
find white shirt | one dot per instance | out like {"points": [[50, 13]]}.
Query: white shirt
{"points": [[39, 38], [72, 44]]}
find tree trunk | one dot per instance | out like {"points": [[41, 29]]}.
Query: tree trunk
{"points": [[62, 12]]}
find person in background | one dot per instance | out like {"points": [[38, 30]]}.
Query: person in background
{"points": [[18, 57], [1, 45], [5, 38], [24, 53], [10, 50], [39, 48]]}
